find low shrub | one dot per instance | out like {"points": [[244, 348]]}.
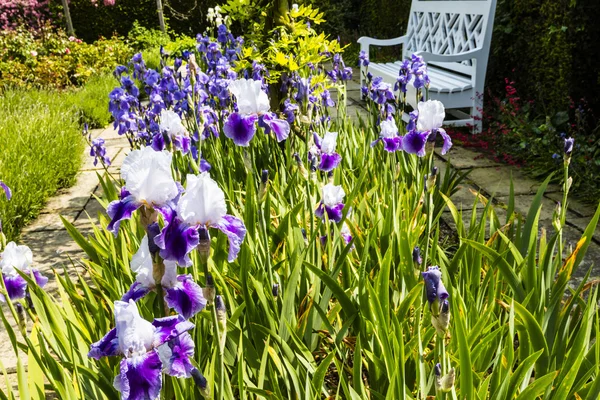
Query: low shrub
{"points": [[51, 59]]}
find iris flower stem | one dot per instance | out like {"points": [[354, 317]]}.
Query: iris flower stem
{"points": [[216, 334], [563, 210], [429, 213], [266, 238]]}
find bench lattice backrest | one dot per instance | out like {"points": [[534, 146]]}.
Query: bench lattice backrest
{"points": [[449, 27]]}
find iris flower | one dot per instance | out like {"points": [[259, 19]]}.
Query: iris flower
{"points": [[252, 104], [332, 203], [437, 296], [200, 207], [18, 257], [181, 292], [172, 129], [139, 342], [148, 182], [389, 136], [324, 151], [430, 118]]}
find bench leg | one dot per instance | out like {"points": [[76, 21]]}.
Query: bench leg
{"points": [[477, 114]]}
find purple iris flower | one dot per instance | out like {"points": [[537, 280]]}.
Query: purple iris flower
{"points": [[381, 92], [148, 182], [139, 342], [332, 203], [289, 109], [363, 58], [434, 287], [430, 119], [176, 354], [419, 71], [171, 125], [324, 151], [120, 70], [326, 99], [200, 207], [252, 102], [18, 257], [389, 136], [6, 189], [181, 292], [98, 151], [270, 123]]}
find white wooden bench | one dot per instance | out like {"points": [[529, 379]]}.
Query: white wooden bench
{"points": [[453, 37]]}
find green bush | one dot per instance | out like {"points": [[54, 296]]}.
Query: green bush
{"points": [[140, 37], [51, 59], [42, 148]]}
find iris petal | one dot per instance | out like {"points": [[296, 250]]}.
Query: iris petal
{"points": [[168, 328], [175, 356], [240, 129], [119, 210], [141, 377], [107, 346], [176, 241], [235, 230], [186, 297], [447, 141], [329, 161], [414, 143], [16, 287]]}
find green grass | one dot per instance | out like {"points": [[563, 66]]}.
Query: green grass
{"points": [[91, 101], [42, 146]]}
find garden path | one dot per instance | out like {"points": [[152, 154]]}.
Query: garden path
{"points": [[53, 248]]}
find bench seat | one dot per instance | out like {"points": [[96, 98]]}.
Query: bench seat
{"points": [[442, 81]]}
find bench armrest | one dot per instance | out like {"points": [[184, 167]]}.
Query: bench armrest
{"points": [[365, 42], [427, 57]]}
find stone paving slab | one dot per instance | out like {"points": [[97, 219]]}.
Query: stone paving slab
{"points": [[74, 197], [581, 224], [462, 158], [496, 181]]}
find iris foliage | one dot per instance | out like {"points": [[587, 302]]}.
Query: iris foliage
{"points": [[326, 296]]}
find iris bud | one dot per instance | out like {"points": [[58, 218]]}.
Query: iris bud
{"points": [[416, 254], [209, 291], [201, 382], [204, 244]]}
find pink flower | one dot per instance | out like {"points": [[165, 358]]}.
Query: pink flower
{"points": [[33, 53], [67, 51]]}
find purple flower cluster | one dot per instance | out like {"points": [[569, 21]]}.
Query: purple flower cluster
{"points": [[414, 70], [98, 151], [339, 70]]}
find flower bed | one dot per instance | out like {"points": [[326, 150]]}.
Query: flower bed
{"points": [[275, 250]]}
